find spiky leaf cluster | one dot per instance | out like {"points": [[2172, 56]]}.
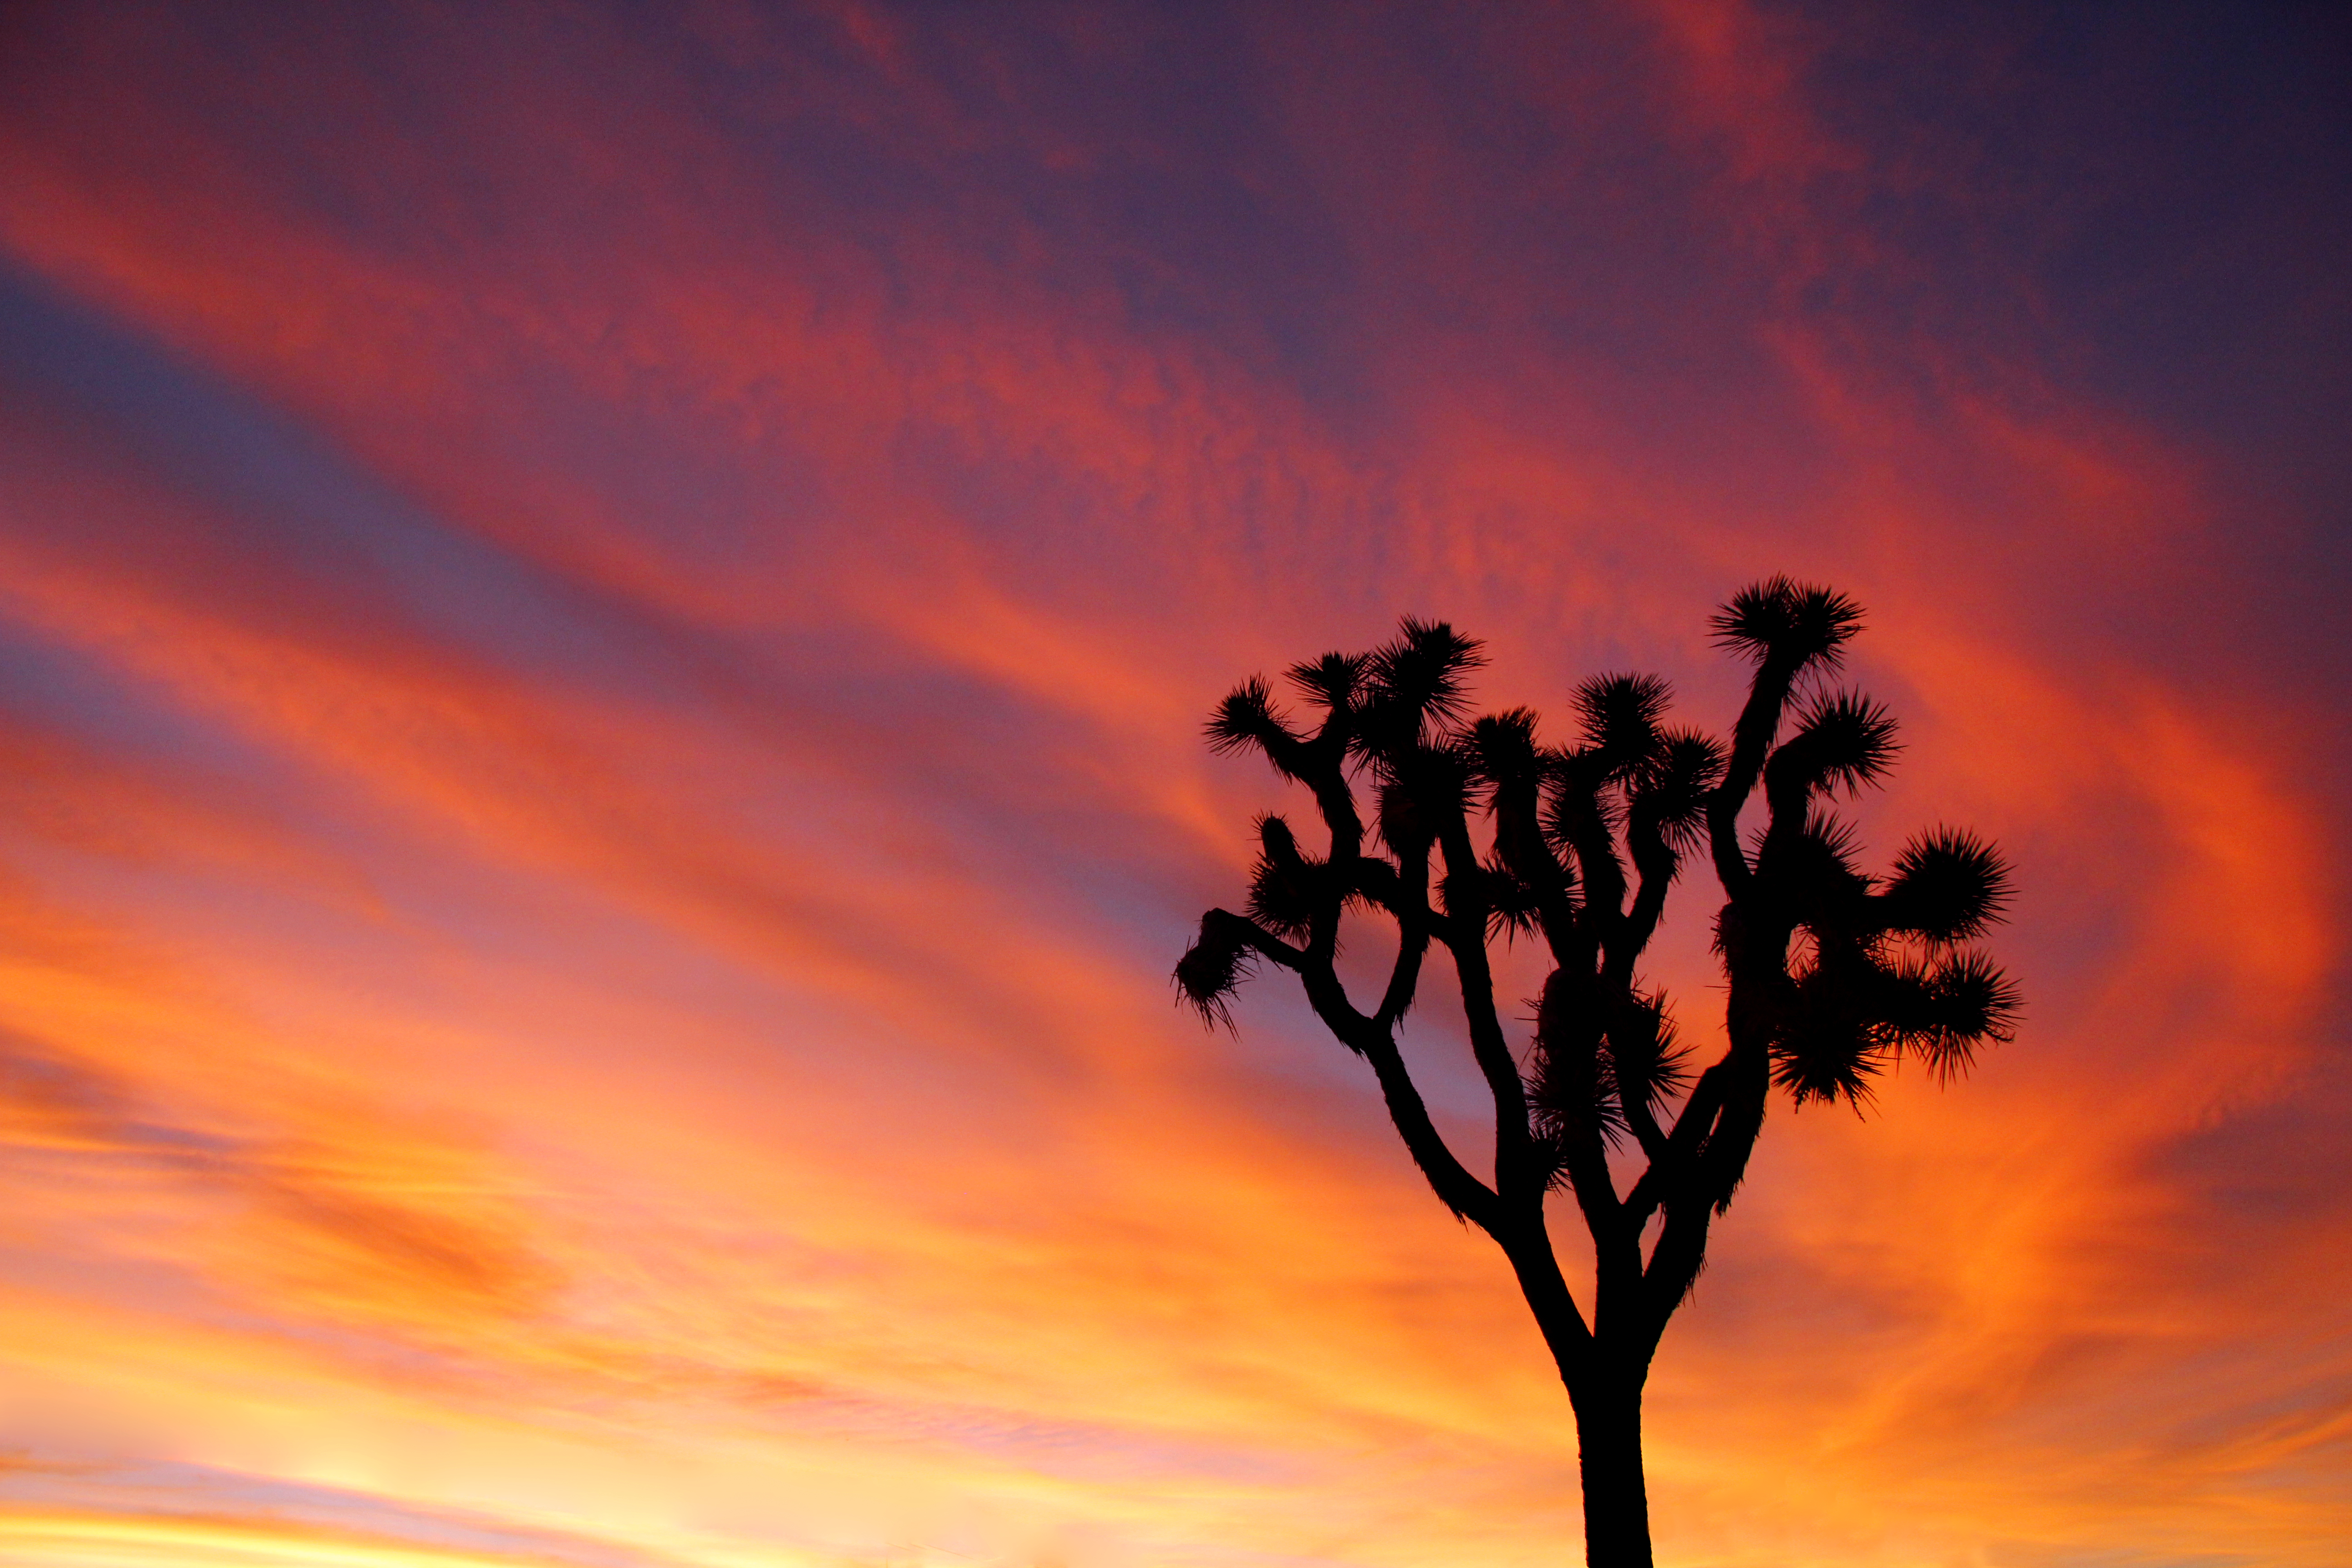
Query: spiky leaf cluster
{"points": [[1585, 838], [1782, 622], [1213, 967], [1393, 714], [1878, 975], [1588, 835]]}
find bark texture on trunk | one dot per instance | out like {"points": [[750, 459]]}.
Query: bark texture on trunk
{"points": [[1608, 1459]]}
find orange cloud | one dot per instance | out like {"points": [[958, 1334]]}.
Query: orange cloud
{"points": [[606, 779]]}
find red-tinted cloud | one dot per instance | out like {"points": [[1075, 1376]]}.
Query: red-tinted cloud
{"points": [[607, 620]]}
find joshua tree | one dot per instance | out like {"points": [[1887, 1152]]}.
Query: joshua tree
{"points": [[1833, 973]]}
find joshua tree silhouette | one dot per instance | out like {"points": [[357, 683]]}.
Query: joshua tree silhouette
{"points": [[1832, 973]]}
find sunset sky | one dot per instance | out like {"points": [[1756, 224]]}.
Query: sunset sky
{"points": [[605, 611]]}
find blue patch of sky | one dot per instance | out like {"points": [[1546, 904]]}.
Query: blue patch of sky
{"points": [[2155, 193], [311, 510], [1145, 157]]}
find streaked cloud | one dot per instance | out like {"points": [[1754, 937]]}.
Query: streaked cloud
{"points": [[602, 622]]}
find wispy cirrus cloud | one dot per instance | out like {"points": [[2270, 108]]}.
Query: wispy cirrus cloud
{"points": [[605, 622]]}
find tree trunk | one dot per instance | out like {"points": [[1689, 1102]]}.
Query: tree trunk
{"points": [[1609, 1459]]}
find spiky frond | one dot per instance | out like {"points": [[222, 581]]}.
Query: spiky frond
{"points": [[1789, 623], [1844, 739], [1850, 1014], [1580, 819], [1828, 1044], [1811, 869], [1405, 824], [1577, 784], [1674, 786], [1247, 718], [1423, 788], [1948, 886], [1500, 748], [1415, 685], [1511, 906], [1619, 714], [1647, 1063], [1287, 890], [1948, 1009], [1571, 1092], [1213, 967], [1826, 1061], [1332, 682]]}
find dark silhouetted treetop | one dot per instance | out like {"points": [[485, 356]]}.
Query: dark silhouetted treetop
{"points": [[1482, 832]]}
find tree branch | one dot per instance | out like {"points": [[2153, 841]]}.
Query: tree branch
{"points": [[1751, 737], [1656, 861], [1407, 902], [1464, 931], [1372, 1039], [1571, 1040], [1455, 1187], [1596, 859], [1565, 1333], [1518, 838], [1680, 1146]]}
